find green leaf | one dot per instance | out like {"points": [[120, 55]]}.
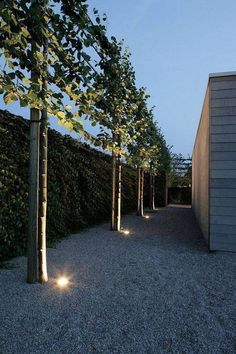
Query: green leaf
{"points": [[25, 32], [26, 81], [61, 115], [23, 102], [39, 55], [68, 125], [10, 97]]}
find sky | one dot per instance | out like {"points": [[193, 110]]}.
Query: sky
{"points": [[175, 44]]}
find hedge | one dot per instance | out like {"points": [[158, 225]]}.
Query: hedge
{"points": [[79, 185]]}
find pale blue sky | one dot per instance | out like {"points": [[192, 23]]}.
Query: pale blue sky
{"points": [[175, 44]]}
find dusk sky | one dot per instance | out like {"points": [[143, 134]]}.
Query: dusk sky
{"points": [[175, 44]]}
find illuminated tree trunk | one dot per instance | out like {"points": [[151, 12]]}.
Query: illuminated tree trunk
{"points": [[32, 249], [141, 192], [113, 202], [32, 246], [153, 192], [42, 266], [116, 188], [138, 190], [150, 191], [119, 181]]}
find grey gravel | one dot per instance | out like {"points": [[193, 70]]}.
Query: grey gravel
{"points": [[156, 290]]}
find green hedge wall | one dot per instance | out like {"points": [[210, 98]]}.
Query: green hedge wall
{"points": [[79, 185]]}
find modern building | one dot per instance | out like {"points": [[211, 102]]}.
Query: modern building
{"points": [[214, 164]]}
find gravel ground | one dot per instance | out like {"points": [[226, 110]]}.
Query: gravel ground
{"points": [[156, 290]]}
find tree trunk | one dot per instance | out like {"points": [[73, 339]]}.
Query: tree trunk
{"points": [[113, 210], [119, 180], [43, 277], [32, 246], [32, 249], [141, 192], [166, 191], [43, 200], [150, 191], [153, 192], [116, 189], [138, 190]]}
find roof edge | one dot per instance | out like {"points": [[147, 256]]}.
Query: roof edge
{"points": [[229, 73]]}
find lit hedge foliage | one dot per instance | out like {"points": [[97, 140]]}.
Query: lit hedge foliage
{"points": [[79, 185]]}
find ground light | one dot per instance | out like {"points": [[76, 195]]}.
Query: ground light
{"points": [[147, 217], [126, 232], [62, 282]]}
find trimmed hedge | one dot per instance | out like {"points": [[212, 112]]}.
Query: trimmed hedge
{"points": [[79, 185]]}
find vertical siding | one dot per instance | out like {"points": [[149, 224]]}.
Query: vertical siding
{"points": [[223, 163], [200, 170]]}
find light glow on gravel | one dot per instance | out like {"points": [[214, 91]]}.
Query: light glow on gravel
{"points": [[62, 282], [147, 217], [126, 232]]}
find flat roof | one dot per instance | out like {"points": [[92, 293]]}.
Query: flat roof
{"points": [[229, 73]]}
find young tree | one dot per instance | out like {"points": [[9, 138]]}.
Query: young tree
{"points": [[140, 147], [45, 61], [159, 159], [150, 154], [117, 81]]}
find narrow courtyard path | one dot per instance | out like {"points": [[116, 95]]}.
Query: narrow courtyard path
{"points": [[156, 290]]}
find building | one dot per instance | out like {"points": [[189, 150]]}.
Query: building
{"points": [[214, 164]]}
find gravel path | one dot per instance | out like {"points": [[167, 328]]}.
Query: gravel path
{"points": [[156, 290]]}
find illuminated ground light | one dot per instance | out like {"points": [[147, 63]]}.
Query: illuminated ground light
{"points": [[126, 232], [147, 217], [62, 282]]}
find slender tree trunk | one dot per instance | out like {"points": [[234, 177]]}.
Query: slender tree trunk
{"points": [[119, 180], [32, 247], [118, 188], [42, 260], [32, 274], [138, 190], [153, 192], [150, 191], [166, 191], [113, 202], [141, 192]]}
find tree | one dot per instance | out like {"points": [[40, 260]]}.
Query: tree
{"points": [[45, 61], [148, 153], [117, 81]]}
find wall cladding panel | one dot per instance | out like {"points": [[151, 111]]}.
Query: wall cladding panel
{"points": [[219, 165]]}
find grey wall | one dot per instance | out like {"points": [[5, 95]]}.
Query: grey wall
{"points": [[214, 164], [223, 163], [200, 170]]}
